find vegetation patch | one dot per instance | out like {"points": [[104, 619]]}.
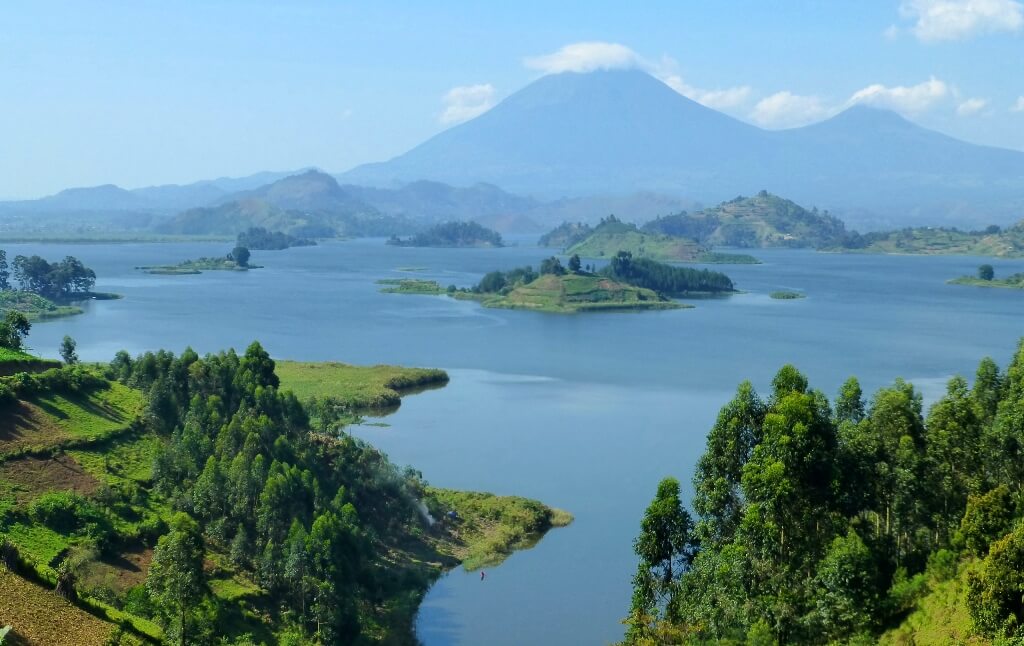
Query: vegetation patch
{"points": [[29, 477], [410, 286], [38, 616], [25, 426], [612, 236], [986, 278], [34, 306], [785, 295], [237, 260], [485, 529]]}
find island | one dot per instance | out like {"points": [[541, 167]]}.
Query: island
{"points": [[986, 277], [236, 260], [167, 494], [762, 221], [993, 241], [786, 295], [624, 284], [451, 234], [261, 239], [42, 290], [612, 235]]}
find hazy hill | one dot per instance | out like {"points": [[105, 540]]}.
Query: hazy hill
{"points": [[435, 201], [764, 220], [310, 204], [624, 131]]}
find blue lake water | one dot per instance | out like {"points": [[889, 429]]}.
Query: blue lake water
{"points": [[585, 412]]}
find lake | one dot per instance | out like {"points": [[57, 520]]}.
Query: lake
{"points": [[584, 412]]}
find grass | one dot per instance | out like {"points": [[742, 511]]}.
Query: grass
{"points": [[46, 422], [38, 616], [361, 387], [38, 544], [96, 414], [939, 617], [784, 295], [120, 460], [489, 527], [410, 286]]}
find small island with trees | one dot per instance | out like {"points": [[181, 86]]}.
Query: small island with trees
{"points": [[236, 260], [452, 234], [624, 284], [39, 289], [986, 277]]}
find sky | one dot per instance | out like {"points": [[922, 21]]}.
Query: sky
{"points": [[140, 92]]}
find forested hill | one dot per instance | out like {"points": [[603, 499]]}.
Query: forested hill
{"points": [[764, 220], [855, 522]]}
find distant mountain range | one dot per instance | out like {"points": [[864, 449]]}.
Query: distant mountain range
{"points": [[623, 131], [579, 147]]}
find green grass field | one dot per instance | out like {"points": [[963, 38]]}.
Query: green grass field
{"points": [[1014, 281], [362, 387], [96, 414]]}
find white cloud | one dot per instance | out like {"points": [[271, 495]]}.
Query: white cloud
{"points": [[586, 57], [1019, 105], [596, 55], [788, 110], [971, 107], [936, 20], [902, 98], [464, 102], [722, 99]]}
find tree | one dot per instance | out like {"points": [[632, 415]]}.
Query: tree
{"points": [[551, 265], [850, 402], [994, 593], [240, 255], [666, 548], [574, 264], [67, 350], [986, 272], [13, 330], [846, 588], [5, 272], [176, 580]]}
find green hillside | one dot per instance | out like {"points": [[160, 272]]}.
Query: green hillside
{"points": [[764, 220], [110, 475]]}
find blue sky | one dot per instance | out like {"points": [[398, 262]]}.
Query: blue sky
{"points": [[143, 92]]}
